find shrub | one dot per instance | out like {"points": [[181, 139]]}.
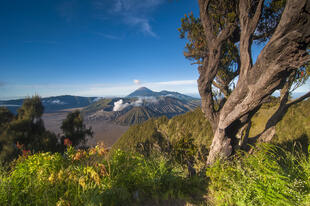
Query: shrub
{"points": [[270, 176], [89, 177]]}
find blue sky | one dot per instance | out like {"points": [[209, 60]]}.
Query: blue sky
{"points": [[93, 47]]}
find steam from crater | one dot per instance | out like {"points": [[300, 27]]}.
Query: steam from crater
{"points": [[141, 100], [120, 105], [137, 103]]}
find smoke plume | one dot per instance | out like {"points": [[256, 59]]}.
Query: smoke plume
{"points": [[119, 105]]}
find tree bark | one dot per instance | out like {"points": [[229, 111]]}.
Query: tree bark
{"points": [[285, 52]]}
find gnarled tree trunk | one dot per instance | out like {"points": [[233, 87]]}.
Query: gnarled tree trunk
{"points": [[285, 52]]}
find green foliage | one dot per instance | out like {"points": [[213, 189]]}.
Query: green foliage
{"points": [[28, 128], [31, 109], [74, 129], [184, 151], [138, 133], [5, 117], [191, 124], [100, 104], [270, 176], [294, 124], [196, 48], [183, 140], [6, 149], [90, 178], [25, 132]]}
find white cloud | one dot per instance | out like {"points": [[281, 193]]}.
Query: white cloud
{"points": [[137, 103], [120, 105], [142, 23], [140, 100], [135, 13], [136, 81]]}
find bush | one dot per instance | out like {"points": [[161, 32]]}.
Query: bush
{"points": [[88, 177], [270, 176]]}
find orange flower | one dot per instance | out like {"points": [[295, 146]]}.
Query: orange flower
{"points": [[78, 155], [67, 142]]}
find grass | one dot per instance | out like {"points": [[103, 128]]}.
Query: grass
{"points": [[295, 123], [275, 174], [90, 178], [270, 176]]}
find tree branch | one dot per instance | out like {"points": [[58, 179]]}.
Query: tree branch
{"points": [[257, 15], [226, 32], [303, 97], [205, 20], [221, 88]]}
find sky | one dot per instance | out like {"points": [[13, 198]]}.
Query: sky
{"points": [[93, 47]]}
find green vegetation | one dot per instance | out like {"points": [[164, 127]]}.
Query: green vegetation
{"points": [[98, 105], [82, 177], [162, 162], [189, 124], [295, 124], [270, 176], [25, 132], [74, 129]]}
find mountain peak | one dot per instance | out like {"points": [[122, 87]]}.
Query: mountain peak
{"points": [[143, 89], [142, 92], [146, 92]]}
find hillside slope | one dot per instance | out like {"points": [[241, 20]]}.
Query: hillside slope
{"points": [[295, 125], [192, 123]]}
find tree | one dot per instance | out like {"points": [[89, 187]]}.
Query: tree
{"points": [[25, 131], [29, 130], [7, 149], [5, 117], [220, 42], [74, 129], [31, 109]]}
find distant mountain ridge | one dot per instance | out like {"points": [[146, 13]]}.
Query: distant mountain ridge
{"points": [[53, 104], [145, 92], [139, 106]]}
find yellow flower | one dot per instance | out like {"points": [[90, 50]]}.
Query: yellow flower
{"points": [[101, 148], [52, 178], [61, 175], [89, 171], [93, 151], [62, 202], [82, 182]]}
